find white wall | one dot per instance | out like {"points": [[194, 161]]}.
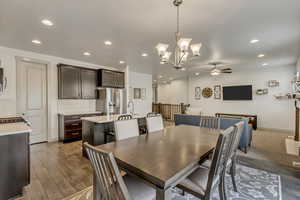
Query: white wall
{"points": [[168, 93], [272, 113], [140, 80], [8, 100]]}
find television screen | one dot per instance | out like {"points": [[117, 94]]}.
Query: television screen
{"points": [[241, 92]]}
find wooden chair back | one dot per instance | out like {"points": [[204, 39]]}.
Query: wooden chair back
{"points": [[220, 158], [236, 141], [210, 122], [152, 114], [126, 129], [125, 117], [111, 183]]}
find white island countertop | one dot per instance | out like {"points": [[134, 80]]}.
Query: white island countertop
{"points": [[106, 118], [14, 128]]}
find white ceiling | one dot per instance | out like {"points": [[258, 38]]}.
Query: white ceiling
{"points": [[224, 27]]}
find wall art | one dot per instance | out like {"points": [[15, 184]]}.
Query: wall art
{"points": [[207, 92], [217, 91], [197, 93]]}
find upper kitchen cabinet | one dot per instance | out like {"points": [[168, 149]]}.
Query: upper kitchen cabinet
{"points": [[111, 79], [88, 84], [69, 82], [76, 82]]}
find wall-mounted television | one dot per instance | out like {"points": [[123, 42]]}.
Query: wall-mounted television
{"points": [[240, 92]]}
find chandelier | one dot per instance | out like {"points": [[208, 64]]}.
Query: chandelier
{"points": [[181, 52]]}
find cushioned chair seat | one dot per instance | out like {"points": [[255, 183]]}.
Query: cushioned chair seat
{"points": [[139, 190], [196, 182]]}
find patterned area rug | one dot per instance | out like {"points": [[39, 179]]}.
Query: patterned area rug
{"points": [[252, 184]]}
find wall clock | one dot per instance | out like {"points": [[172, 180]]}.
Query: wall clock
{"points": [[207, 92]]}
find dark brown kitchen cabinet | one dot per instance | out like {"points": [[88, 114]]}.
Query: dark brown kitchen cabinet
{"points": [[14, 164], [69, 82], [111, 79], [88, 84], [76, 82]]}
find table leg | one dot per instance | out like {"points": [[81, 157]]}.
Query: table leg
{"points": [[162, 194]]}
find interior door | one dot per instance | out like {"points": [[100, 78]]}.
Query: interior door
{"points": [[32, 98]]}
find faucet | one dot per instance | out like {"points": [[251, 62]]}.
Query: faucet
{"points": [[131, 105]]}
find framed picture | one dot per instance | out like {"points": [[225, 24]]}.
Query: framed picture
{"points": [[137, 93], [143, 93], [1, 79], [217, 91], [197, 93]]}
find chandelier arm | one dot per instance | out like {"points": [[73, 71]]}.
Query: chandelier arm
{"points": [[181, 57]]}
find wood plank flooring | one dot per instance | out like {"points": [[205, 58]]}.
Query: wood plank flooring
{"points": [[57, 171]]}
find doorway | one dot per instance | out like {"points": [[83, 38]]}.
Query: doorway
{"points": [[32, 97]]}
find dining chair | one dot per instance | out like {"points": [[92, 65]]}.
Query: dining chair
{"points": [[233, 154], [210, 122], [110, 133], [154, 123], [111, 184], [126, 128], [202, 181], [152, 114]]}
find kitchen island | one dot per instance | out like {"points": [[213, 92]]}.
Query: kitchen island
{"points": [[14, 156], [95, 128]]}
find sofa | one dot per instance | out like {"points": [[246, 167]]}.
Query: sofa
{"points": [[194, 120]]}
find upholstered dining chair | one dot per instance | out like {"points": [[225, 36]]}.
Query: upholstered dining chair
{"points": [[210, 122], [111, 184], [126, 128], [202, 181], [110, 133], [152, 114], [154, 123]]}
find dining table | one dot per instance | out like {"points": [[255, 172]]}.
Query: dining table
{"points": [[163, 158]]}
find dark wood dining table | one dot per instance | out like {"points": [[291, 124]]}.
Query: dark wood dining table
{"points": [[163, 158]]}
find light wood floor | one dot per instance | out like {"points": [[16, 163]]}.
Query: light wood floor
{"points": [[58, 170]]}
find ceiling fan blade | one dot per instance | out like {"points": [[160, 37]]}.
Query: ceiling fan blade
{"points": [[226, 69], [226, 72]]}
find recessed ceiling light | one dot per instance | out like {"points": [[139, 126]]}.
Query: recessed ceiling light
{"points": [[36, 42], [265, 64], [261, 55], [87, 53], [144, 54], [197, 73], [108, 43], [183, 69], [160, 76], [122, 62], [154, 80], [47, 22], [253, 41]]}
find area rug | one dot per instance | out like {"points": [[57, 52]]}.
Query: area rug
{"points": [[252, 184]]}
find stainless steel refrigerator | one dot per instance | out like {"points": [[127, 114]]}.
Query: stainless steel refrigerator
{"points": [[110, 100]]}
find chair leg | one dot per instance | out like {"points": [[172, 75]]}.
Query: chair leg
{"points": [[222, 190], [233, 173]]}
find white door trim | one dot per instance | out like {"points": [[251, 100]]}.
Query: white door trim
{"points": [[48, 99]]}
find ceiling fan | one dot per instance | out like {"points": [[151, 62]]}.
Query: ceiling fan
{"points": [[217, 70]]}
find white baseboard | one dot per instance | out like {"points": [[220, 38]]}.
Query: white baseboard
{"points": [[53, 139], [276, 130]]}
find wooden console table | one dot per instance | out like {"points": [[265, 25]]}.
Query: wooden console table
{"points": [[252, 118]]}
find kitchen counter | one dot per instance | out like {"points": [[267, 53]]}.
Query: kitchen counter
{"points": [[14, 128], [106, 118], [69, 113]]}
